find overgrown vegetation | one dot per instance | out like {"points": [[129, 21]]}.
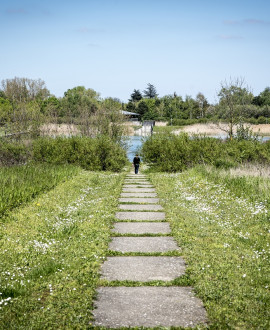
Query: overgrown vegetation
{"points": [[222, 226], [20, 184], [170, 153], [51, 251], [99, 154]]}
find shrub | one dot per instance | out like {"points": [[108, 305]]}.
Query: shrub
{"points": [[170, 153], [13, 153], [99, 154]]}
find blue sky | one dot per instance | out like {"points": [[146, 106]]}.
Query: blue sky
{"points": [[116, 46]]}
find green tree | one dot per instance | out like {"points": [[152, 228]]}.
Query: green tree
{"points": [[150, 92], [136, 96], [25, 89], [80, 101], [202, 104], [263, 99], [234, 99]]}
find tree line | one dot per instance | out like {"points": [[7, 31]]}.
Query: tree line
{"points": [[26, 104]]}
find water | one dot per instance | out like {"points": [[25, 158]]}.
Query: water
{"points": [[134, 145]]}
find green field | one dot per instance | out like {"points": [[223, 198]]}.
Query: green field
{"points": [[224, 235], [51, 251], [55, 230]]}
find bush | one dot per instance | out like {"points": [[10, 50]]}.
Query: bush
{"points": [[170, 153], [13, 153], [99, 154]]}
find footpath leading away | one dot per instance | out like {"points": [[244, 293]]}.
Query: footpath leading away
{"points": [[143, 258]]}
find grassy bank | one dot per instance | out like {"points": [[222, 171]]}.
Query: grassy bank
{"points": [[51, 251], [224, 236], [19, 184]]}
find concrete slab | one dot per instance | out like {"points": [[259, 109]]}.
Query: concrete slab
{"points": [[141, 228], [126, 194], [142, 268], [131, 176], [143, 244], [139, 216], [139, 200], [137, 180], [148, 307], [140, 190], [138, 185], [140, 207]]}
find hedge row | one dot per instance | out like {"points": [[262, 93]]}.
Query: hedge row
{"points": [[170, 153], [98, 154]]}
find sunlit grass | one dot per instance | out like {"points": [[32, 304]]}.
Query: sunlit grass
{"points": [[224, 238], [51, 251], [19, 184]]}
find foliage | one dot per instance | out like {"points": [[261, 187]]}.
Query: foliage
{"points": [[13, 153], [136, 96], [150, 92], [224, 239], [19, 184], [51, 252], [100, 154], [171, 153], [234, 98]]}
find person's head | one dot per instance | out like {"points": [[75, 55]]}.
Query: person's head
{"points": [[137, 155]]}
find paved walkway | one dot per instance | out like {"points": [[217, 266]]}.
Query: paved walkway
{"points": [[141, 234]]}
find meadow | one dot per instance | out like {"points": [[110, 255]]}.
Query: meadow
{"points": [[222, 226], [51, 251], [20, 184], [56, 219]]}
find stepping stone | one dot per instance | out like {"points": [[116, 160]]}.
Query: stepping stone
{"points": [[133, 176], [143, 244], [142, 268], [138, 200], [147, 216], [137, 185], [118, 307], [141, 228], [138, 190], [140, 207], [126, 194], [137, 181]]}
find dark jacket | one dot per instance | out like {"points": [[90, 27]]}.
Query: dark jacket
{"points": [[136, 160]]}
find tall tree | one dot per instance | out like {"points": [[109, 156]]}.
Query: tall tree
{"points": [[24, 89], [150, 92], [234, 98], [136, 96], [202, 104]]}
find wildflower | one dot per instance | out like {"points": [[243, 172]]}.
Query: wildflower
{"points": [[244, 275]]}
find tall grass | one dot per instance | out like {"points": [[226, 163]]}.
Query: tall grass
{"points": [[19, 184]]}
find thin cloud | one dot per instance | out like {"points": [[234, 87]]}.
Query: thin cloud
{"points": [[248, 21], [16, 11], [86, 30], [229, 37], [93, 45]]}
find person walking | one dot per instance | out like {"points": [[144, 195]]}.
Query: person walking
{"points": [[136, 163]]}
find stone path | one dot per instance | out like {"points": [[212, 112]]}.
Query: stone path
{"points": [[144, 305]]}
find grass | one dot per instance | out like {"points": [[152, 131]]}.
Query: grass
{"points": [[19, 184], [223, 233], [51, 252]]}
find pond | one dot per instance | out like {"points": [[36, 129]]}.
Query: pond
{"points": [[134, 145]]}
